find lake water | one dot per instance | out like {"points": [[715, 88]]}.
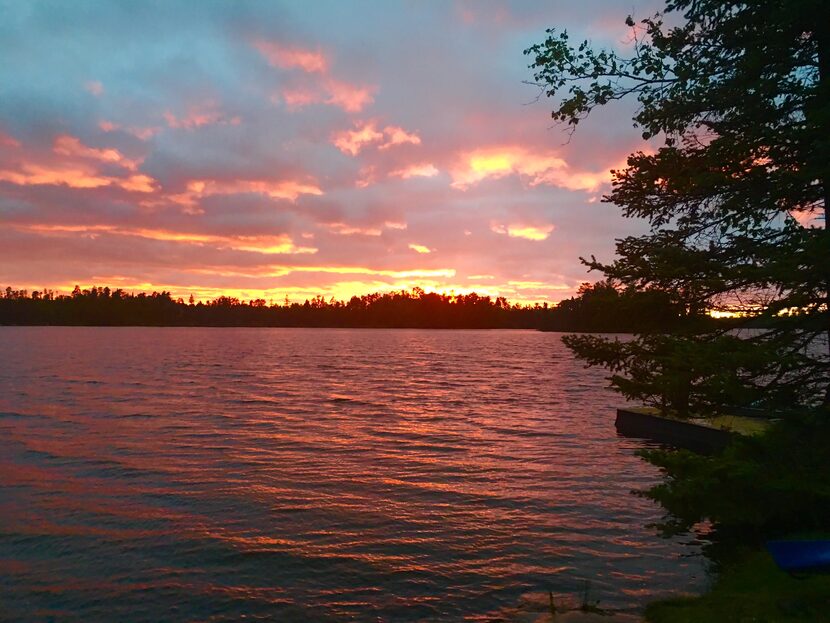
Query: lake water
{"points": [[169, 474]]}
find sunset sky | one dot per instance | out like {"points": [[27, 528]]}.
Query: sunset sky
{"points": [[262, 149]]}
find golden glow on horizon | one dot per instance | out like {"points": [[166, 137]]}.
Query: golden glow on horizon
{"points": [[175, 212], [341, 290]]}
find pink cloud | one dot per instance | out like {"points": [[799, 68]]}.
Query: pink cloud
{"points": [[349, 97], [808, 218], [367, 177], [198, 116], [286, 57], [352, 141], [145, 133], [8, 141], [366, 134], [299, 97], [94, 87], [142, 133], [399, 136], [281, 189], [324, 87], [71, 146], [426, 169]]}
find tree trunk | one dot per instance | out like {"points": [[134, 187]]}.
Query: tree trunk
{"points": [[822, 34]]}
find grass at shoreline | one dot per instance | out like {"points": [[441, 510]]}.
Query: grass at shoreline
{"points": [[753, 590]]}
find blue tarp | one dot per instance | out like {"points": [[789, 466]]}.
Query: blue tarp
{"points": [[800, 555]]}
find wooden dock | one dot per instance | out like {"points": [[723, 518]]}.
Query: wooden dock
{"points": [[707, 436]]}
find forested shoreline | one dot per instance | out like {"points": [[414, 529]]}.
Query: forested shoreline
{"points": [[599, 307]]}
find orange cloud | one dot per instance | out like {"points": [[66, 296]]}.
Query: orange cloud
{"points": [[198, 189], [359, 270], [138, 183], [280, 270], [399, 136], [366, 134], [539, 168], [279, 244], [419, 248], [528, 232], [285, 57], [286, 189], [71, 146], [31, 174], [344, 229], [77, 166], [352, 141], [426, 169]]}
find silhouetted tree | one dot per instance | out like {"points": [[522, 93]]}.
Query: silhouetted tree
{"points": [[739, 95], [591, 310]]}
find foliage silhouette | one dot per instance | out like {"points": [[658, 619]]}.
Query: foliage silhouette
{"points": [[598, 307], [738, 93]]}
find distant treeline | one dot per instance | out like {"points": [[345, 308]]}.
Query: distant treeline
{"points": [[597, 307]]}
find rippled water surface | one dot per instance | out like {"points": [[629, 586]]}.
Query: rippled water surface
{"points": [[161, 474]]}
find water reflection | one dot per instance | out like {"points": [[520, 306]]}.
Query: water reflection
{"points": [[204, 474]]}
